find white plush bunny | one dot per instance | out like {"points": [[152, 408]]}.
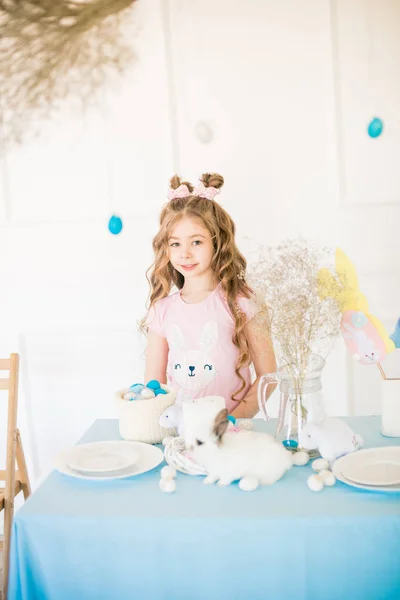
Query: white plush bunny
{"points": [[171, 418], [231, 456], [193, 368], [332, 438]]}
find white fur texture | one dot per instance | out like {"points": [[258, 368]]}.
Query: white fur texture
{"points": [[332, 438], [241, 454]]}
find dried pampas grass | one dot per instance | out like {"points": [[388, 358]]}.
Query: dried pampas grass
{"points": [[56, 50]]}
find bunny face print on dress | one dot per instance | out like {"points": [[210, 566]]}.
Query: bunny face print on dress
{"points": [[193, 368]]}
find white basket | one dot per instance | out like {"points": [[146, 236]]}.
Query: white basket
{"points": [[174, 454], [138, 419]]}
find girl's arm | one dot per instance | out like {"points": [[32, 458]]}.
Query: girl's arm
{"points": [[263, 358], [156, 358]]}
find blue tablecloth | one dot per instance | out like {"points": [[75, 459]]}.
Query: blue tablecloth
{"points": [[126, 539]]}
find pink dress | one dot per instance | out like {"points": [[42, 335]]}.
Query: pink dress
{"points": [[202, 355]]}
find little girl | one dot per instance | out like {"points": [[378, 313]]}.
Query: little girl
{"points": [[203, 337]]}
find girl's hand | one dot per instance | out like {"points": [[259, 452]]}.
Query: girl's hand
{"points": [[156, 358], [263, 359]]}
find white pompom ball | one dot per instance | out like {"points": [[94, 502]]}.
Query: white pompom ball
{"points": [[130, 396], [167, 485], [315, 483], [248, 484], [147, 393], [300, 458], [327, 477], [168, 472], [320, 464]]}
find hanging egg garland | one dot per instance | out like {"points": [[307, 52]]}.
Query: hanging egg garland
{"points": [[115, 225], [375, 127]]}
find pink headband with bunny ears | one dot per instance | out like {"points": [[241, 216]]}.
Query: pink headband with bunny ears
{"points": [[200, 190]]}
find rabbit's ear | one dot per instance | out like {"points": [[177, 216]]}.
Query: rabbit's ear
{"points": [[220, 424], [177, 341], [209, 336]]}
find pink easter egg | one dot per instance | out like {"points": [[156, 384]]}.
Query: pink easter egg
{"points": [[362, 338]]}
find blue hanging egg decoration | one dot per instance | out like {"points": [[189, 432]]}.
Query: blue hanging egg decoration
{"points": [[375, 127], [115, 225]]}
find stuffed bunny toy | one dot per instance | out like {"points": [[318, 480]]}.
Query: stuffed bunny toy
{"points": [[364, 334], [332, 438], [171, 418], [364, 348], [232, 456]]}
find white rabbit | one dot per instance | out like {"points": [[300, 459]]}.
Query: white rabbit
{"points": [[365, 346], [193, 369], [231, 456]]}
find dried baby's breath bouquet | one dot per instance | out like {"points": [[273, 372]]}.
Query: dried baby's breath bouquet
{"points": [[51, 50], [299, 321]]}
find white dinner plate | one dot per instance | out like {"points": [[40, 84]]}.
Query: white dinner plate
{"points": [[373, 468], [144, 458], [101, 457]]}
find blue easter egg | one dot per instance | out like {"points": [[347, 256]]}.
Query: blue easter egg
{"points": [[290, 443], [153, 384], [160, 391], [231, 419], [375, 127], [137, 387], [115, 225]]}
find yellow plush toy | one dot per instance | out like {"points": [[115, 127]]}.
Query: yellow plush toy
{"points": [[365, 336]]}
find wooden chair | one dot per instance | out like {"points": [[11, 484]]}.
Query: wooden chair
{"points": [[15, 481]]}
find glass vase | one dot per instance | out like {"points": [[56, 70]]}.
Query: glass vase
{"points": [[301, 400]]}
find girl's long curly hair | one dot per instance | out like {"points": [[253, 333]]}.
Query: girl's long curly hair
{"points": [[228, 263]]}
